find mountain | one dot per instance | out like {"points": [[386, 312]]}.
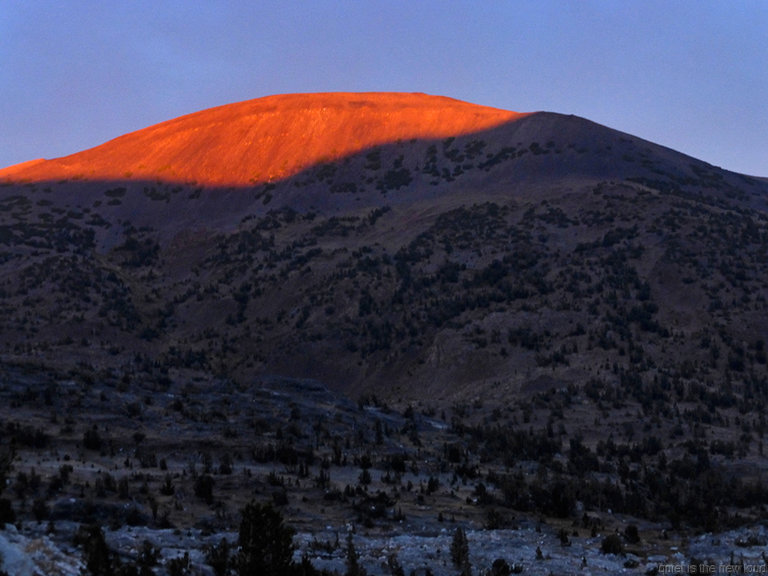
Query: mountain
{"points": [[403, 245], [398, 312]]}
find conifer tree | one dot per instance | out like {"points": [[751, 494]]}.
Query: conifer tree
{"points": [[265, 543], [353, 565], [460, 552]]}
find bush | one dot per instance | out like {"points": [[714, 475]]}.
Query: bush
{"points": [[204, 488], [612, 544], [631, 534], [179, 566], [7, 515], [500, 568], [6, 458], [217, 557], [92, 439]]}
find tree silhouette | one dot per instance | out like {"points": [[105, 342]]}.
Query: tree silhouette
{"points": [[6, 509], [353, 559], [98, 557], [460, 551], [265, 543], [217, 557]]}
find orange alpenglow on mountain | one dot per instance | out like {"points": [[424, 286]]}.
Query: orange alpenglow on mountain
{"points": [[265, 139]]}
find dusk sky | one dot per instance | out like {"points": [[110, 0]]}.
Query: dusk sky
{"points": [[690, 75]]}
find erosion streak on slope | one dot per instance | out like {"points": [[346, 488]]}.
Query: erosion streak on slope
{"points": [[266, 139]]}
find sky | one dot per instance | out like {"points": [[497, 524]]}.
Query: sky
{"points": [[688, 74]]}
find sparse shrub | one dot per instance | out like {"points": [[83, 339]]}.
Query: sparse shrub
{"points": [[204, 488], [364, 478], [494, 519], [500, 568], [123, 488], [92, 439], [432, 484], [631, 534], [7, 515], [179, 566], [395, 179], [5, 467], [217, 557], [612, 544], [40, 510], [167, 489], [395, 568], [225, 465], [148, 555]]}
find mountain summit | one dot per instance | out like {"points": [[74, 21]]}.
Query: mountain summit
{"points": [[266, 139]]}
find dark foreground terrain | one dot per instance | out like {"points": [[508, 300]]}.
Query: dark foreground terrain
{"points": [[165, 469]]}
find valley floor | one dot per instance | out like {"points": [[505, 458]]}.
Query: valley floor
{"points": [[164, 468]]}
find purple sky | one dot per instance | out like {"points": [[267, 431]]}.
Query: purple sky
{"points": [[691, 75]]}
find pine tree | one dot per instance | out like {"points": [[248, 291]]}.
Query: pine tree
{"points": [[265, 543], [7, 514], [353, 564], [98, 558], [217, 557], [460, 551]]}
